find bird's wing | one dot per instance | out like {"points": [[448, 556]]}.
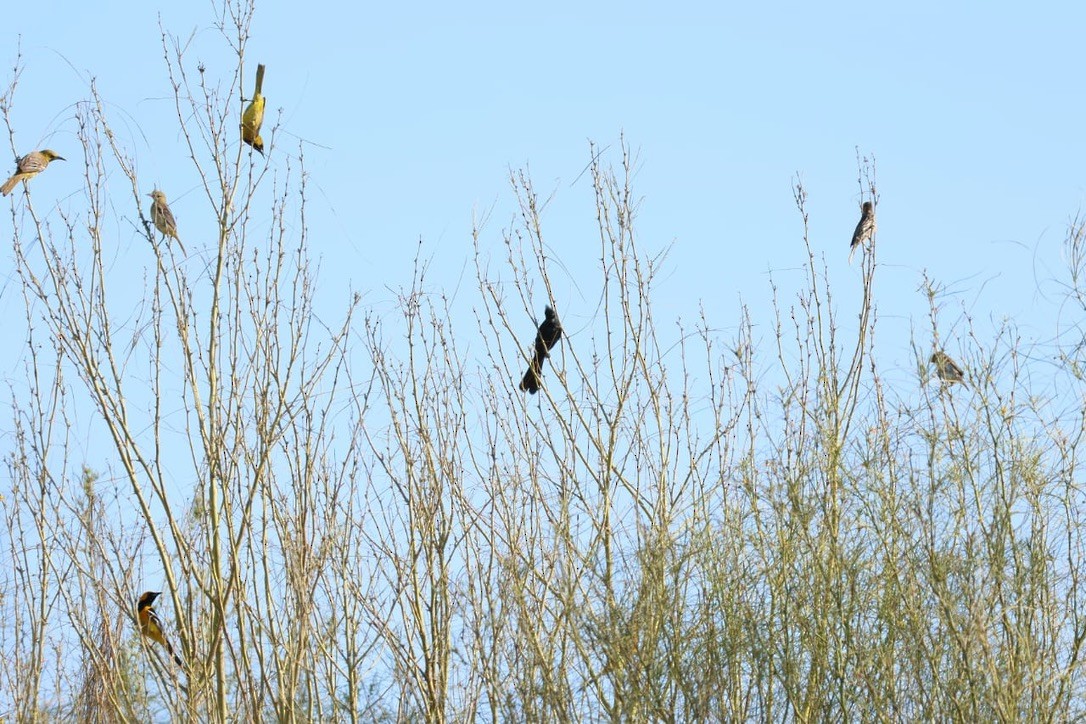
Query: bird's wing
{"points": [[32, 163], [858, 235], [167, 215]]}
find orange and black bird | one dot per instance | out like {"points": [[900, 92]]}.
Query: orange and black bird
{"points": [[253, 117], [947, 369], [865, 230], [30, 166], [547, 336], [151, 624]]}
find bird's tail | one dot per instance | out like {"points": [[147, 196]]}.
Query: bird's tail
{"points": [[9, 185], [176, 659], [530, 383], [852, 252], [259, 79]]}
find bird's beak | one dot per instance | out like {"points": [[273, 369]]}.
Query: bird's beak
{"points": [[60, 158]]}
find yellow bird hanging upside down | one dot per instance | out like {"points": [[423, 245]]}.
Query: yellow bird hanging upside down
{"points": [[253, 117], [34, 163]]}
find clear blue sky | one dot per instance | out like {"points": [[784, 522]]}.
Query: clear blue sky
{"points": [[411, 116]]}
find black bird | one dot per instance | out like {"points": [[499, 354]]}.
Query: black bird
{"points": [[865, 229], [549, 333]]}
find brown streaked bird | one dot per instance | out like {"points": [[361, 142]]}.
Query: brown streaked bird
{"points": [[253, 117], [947, 369], [30, 166], [865, 229], [162, 217], [547, 336], [151, 624]]}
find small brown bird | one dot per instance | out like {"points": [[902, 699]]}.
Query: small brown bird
{"points": [[151, 624], [163, 217], [253, 117], [30, 166], [947, 369], [547, 336], [865, 229]]}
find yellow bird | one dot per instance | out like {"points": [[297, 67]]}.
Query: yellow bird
{"points": [[151, 624], [162, 217], [34, 163], [253, 117]]}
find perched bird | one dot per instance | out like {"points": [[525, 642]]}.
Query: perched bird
{"points": [[163, 217], [253, 117], [151, 624], [547, 336], [946, 368], [30, 166], [864, 230]]}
